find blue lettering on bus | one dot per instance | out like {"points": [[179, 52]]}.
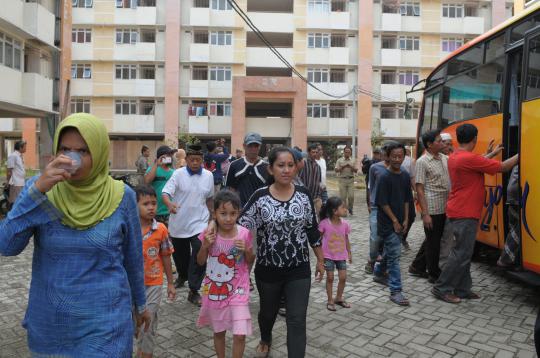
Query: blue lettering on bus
{"points": [[492, 198]]}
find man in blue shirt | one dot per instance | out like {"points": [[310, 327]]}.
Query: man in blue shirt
{"points": [[213, 161]]}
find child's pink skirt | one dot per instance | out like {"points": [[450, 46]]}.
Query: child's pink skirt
{"points": [[236, 319]]}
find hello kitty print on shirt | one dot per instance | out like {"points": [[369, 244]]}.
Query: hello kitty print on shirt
{"points": [[220, 271]]}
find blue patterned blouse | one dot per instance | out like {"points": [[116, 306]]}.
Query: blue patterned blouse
{"points": [[83, 281]]}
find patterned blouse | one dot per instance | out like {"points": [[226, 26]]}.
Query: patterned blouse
{"points": [[83, 281], [284, 229]]}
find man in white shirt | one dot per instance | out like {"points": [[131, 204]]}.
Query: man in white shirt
{"points": [[322, 163], [188, 195], [15, 175]]}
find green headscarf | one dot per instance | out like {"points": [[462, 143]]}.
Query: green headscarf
{"points": [[85, 203]]}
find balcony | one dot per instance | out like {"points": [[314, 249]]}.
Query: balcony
{"points": [[13, 12], [133, 123], [37, 91], [263, 57], [328, 56], [336, 20], [398, 92], [333, 127], [81, 87], [139, 16], [397, 57], [214, 18], [141, 51], [391, 22], [269, 127], [209, 125], [211, 53], [13, 92], [134, 88], [214, 89], [39, 22], [82, 52], [465, 25], [84, 16], [337, 89], [273, 22], [399, 128]]}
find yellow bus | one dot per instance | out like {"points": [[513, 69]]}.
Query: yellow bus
{"points": [[493, 82]]}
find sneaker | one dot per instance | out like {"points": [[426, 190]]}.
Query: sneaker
{"points": [[399, 299], [368, 268], [194, 297], [380, 279]]}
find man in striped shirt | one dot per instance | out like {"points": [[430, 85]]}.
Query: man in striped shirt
{"points": [[311, 176]]}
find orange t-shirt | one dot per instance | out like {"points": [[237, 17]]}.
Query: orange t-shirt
{"points": [[156, 244]]}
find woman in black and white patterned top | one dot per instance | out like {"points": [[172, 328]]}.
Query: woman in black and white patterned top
{"points": [[286, 224]]}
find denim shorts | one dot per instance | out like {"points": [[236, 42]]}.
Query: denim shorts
{"points": [[331, 265]]}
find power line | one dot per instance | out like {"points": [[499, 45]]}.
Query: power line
{"points": [[355, 89]]}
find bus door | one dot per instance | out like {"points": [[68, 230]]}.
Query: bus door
{"points": [[530, 153]]}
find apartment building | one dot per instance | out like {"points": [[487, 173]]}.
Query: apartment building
{"points": [[29, 71], [410, 37], [155, 68]]}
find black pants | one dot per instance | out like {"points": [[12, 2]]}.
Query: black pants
{"points": [[297, 297], [537, 334], [428, 255], [412, 217], [185, 260]]}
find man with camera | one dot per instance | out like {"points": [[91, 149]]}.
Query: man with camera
{"points": [[157, 175]]}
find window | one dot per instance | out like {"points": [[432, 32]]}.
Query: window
{"points": [[338, 110], [220, 109], [125, 106], [317, 75], [220, 73], [452, 10], [409, 43], [465, 61], [337, 75], [147, 3], [82, 3], [200, 37], [533, 70], [200, 73], [147, 72], [518, 31], [148, 35], [201, 3], [126, 36], [409, 9], [413, 112], [388, 78], [431, 112], [339, 5], [220, 5], [81, 36], [388, 111], [390, 8], [126, 4], [317, 110], [389, 42], [318, 40], [147, 107], [473, 94], [81, 70], [80, 105], [221, 38], [451, 44], [338, 40], [10, 52], [126, 72], [408, 78], [320, 6], [495, 48], [471, 11]]}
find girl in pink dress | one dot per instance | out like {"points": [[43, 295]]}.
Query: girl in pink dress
{"points": [[225, 291]]}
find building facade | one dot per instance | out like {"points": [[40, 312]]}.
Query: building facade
{"points": [[154, 69], [30, 41]]}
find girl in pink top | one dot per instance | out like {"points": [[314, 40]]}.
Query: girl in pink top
{"points": [[336, 248], [227, 255]]}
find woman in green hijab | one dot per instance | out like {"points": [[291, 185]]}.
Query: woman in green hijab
{"points": [[87, 268]]}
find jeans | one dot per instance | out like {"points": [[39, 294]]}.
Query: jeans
{"points": [[428, 255], [375, 241], [447, 243], [297, 297], [185, 260], [324, 195], [456, 275], [510, 254], [390, 263]]}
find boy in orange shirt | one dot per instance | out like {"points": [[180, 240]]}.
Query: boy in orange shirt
{"points": [[157, 250]]}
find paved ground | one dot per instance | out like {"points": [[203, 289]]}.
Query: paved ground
{"points": [[498, 325]]}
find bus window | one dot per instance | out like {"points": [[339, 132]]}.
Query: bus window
{"points": [[437, 77], [495, 48], [430, 118], [474, 94], [469, 59], [533, 73], [518, 32]]}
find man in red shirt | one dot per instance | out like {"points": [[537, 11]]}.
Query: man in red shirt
{"points": [[464, 208]]}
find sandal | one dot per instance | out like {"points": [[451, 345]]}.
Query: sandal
{"points": [[399, 299], [259, 350], [343, 304], [331, 307]]}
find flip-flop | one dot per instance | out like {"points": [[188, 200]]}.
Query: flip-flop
{"points": [[331, 307], [343, 304], [262, 354]]}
